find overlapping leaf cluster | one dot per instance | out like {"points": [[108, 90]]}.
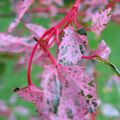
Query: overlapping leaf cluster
{"points": [[68, 90]]}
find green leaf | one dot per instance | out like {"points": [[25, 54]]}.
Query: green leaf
{"points": [[81, 31], [109, 64]]}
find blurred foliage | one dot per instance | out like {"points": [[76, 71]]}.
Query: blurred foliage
{"points": [[2, 68]]}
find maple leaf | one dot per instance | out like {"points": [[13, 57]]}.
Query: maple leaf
{"points": [[73, 105], [14, 44], [100, 20], [78, 93], [103, 50], [20, 8], [71, 47]]}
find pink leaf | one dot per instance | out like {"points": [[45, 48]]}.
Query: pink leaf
{"points": [[35, 29], [9, 43], [77, 89], [73, 104], [69, 49], [33, 94], [81, 79], [100, 20], [103, 50], [20, 8], [14, 44]]}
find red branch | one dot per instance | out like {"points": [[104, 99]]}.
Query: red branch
{"points": [[30, 64], [47, 9], [53, 31]]}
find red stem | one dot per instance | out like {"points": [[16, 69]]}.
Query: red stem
{"points": [[76, 21], [68, 16], [57, 38], [51, 43], [37, 10], [30, 64], [51, 57], [50, 35], [68, 22], [88, 57]]}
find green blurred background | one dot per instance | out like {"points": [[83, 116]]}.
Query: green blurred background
{"points": [[10, 78]]}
